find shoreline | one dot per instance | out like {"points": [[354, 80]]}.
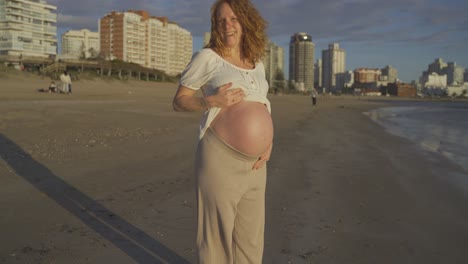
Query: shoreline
{"points": [[111, 181], [368, 196]]}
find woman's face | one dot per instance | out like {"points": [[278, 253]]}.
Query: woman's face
{"points": [[228, 26]]}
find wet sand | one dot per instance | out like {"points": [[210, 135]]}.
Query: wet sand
{"points": [[104, 175]]}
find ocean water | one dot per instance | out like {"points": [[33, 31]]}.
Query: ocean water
{"points": [[440, 127]]}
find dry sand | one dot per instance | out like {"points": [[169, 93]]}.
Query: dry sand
{"points": [[105, 176]]}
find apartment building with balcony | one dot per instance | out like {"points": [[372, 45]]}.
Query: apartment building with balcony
{"points": [[152, 42], [435, 80], [28, 29], [80, 43], [367, 75], [274, 63], [366, 81], [334, 65]]}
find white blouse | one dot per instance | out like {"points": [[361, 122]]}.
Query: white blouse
{"points": [[208, 71]]}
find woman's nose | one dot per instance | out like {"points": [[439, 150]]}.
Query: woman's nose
{"points": [[227, 24]]}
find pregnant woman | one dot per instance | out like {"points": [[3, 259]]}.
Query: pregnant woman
{"points": [[235, 137]]}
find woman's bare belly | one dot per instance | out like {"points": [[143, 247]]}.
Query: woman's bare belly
{"points": [[246, 126]]}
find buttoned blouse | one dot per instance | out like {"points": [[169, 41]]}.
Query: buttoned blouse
{"points": [[208, 71]]}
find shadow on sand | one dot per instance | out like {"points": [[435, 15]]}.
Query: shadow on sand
{"points": [[128, 238]]}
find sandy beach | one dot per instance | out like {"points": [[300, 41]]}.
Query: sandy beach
{"points": [[104, 175]]}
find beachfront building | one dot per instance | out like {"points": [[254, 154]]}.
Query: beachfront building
{"points": [[441, 79], [435, 80], [454, 74], [366, 75], [28, 29], [366, 81], [274, 64], [434, 84], [80, 44], [401, 89], [389, 74], [301, 62], [333, 63], [345, 80], [458, 90], [153, 42], [437, 66]]}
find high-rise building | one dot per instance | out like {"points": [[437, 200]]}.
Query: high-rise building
{"points": [[454, 74], [437, 66], [318, 74], [153, 42], [301, 61], [345, 79], [333, 63], [28, 28], [80, 43], [274, 62], [391, 74]]}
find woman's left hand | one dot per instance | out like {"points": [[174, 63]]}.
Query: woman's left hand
{"points": [[262, 160]]}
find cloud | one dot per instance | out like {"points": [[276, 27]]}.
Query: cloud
{"points": [[344, 20], [407, 30], [68, 22]]}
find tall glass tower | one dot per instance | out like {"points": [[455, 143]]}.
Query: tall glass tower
{"points": [[301, 61]]}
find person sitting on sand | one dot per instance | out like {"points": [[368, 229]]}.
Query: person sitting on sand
{"points": [[52, 87]]}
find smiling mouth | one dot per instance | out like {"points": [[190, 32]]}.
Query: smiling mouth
{"points": [[230, 34]]}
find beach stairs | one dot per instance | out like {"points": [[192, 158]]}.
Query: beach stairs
{"points": [[54, 67], [53, 70]]}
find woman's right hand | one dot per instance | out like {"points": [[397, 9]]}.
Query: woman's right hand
{"points": [[225, 97]]}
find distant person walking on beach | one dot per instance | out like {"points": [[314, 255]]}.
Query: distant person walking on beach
{"points": [[314, 95], [66, 82], [235, 136]]}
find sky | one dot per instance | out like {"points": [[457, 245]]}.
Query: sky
{"points": [[406, 34]]}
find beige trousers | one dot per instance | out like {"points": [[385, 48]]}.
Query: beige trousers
{"points": [[231, 204]]}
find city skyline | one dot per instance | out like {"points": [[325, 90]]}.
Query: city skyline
{"points": [[407, 35]]}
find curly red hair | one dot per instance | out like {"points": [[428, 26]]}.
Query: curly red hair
{"points": [[253, 27]]}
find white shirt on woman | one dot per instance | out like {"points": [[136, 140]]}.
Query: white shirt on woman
{"points": [[208, 71]]}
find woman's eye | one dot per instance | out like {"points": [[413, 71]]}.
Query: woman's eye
{"points": [[221, 21]]}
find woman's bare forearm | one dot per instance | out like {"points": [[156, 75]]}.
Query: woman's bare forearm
{"points": [[186, 103]]}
